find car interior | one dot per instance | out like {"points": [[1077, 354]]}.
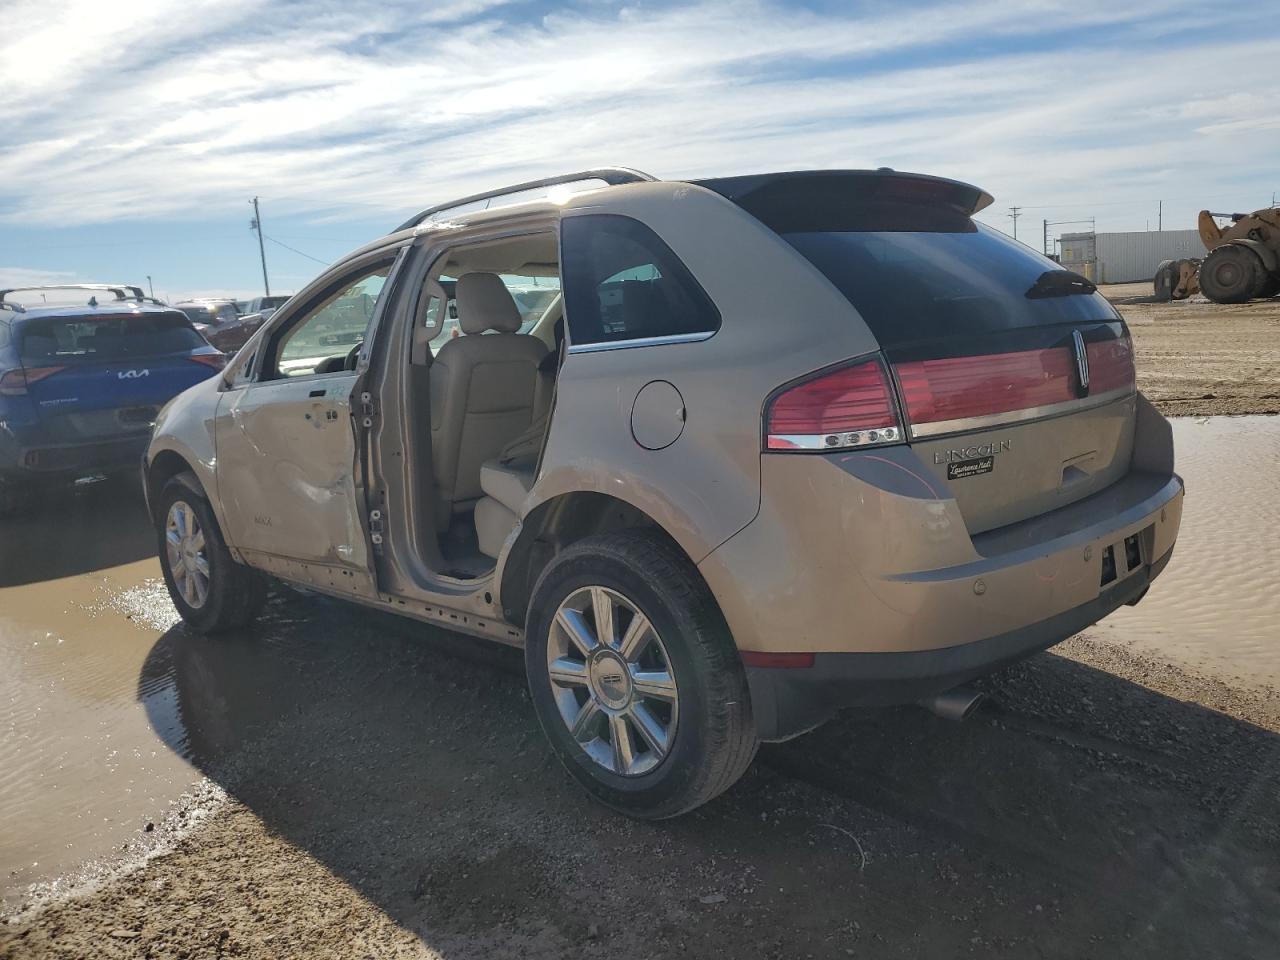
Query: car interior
{"points": [[487, 342]]}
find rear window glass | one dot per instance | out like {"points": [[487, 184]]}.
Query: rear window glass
{"points": [[911, 286], [107, 337], [623, 283], [199, 313]]}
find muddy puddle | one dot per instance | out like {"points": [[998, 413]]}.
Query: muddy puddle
{"points": [[109, 713], [1217, 606], [85, 756]]}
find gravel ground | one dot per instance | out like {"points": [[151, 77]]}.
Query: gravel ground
{"points": [[1197, 358], [390, 797]]}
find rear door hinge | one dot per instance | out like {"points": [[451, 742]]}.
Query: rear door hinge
{"points": [[376, 530], [368, 409]]}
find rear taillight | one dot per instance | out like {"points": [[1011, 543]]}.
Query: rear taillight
{"points": [[956, 388], [1110, 365], [14, 383], [955, 393], [215, 360], [845, 408]]}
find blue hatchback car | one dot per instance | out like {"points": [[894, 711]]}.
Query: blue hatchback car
{"points": [[80, 385]]}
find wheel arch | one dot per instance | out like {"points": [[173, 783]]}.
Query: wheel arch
{"points": [[557, 523], [164, 466]]}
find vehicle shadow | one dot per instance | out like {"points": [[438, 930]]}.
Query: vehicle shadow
{"points": [[68, 529], [1084, 814]]}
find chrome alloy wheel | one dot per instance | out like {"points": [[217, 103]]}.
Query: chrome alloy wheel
{"points": [[612, 681], [185, 552]]}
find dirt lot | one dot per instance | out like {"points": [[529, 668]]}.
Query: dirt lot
{"points": [[367, 787], [388, 799], [1197, 358]]}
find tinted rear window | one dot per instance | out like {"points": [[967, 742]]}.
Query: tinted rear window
{"points": [[107, 337], [923, 285]]}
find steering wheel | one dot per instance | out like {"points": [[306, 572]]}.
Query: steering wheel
{"points": [[352, 355]]}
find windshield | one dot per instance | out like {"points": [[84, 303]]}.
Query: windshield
{"points": [[106, 338], [911, 286]]}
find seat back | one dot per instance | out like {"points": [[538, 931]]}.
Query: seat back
{"points": [[483, 389]]}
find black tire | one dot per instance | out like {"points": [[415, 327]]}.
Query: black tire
{"points": [[1231, 274], [714, 738], [1165, 280], [236, 593], [1270, 286]]}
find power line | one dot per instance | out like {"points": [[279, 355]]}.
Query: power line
{"points": [[1014, 213], [324, 263]]}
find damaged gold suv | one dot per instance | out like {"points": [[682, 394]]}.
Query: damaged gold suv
{"points": [[722, 456]]}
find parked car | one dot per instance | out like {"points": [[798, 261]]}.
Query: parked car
{"points": [[265, 306], [712, 511], [80, 385], [219, 322]]}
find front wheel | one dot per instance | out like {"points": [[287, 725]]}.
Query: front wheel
{"points": [[1231, 274], [635, 678], [211, 591]]}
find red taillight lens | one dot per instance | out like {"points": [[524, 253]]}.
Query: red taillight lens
{"points": [[215, 360], [14, 383], [955, 388], [849, 407], [1110, 365], [938, 396]]}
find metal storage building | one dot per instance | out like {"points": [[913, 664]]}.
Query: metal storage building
{"points": [[1126, 257]]}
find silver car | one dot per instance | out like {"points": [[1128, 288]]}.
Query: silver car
{"points": [[775, 445]]}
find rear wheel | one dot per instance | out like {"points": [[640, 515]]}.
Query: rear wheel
{"points": [[1165, 280], [210, 590], [1231, 274], [635, 678]]}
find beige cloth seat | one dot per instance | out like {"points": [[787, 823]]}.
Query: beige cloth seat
{"points": [[483, 391], [506, 485]]}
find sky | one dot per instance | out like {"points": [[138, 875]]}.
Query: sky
{"points": [[133, 133]]}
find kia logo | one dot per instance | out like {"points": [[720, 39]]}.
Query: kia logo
{"points": [[133, 374]]}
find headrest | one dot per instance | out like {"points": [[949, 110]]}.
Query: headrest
{"points": [[485, 303]]}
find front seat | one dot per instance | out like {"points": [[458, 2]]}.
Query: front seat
{"points": [[482, 391]]}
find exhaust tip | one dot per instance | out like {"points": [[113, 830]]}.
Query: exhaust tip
{"points": [[956, 704]]}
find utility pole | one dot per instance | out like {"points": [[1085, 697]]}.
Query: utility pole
{"points": [[151, 287], [256, 225], [1045, 247], [1015, 212], [1160, 220]]}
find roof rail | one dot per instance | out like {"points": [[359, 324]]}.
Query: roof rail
{"points": [[613, 176], [135, 293]]}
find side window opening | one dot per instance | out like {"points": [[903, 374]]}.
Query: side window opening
{"points": [[321, 340], [622, 282]]}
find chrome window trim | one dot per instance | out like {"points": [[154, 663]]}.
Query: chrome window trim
{"points": [[640, 342], [964, 424]]}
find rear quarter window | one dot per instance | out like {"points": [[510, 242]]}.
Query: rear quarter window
{"points": [[118, 337], [623, 283]]}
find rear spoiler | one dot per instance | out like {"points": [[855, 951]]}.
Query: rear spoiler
{"points": [[802, 198]]}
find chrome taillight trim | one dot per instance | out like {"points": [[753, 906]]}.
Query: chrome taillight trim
{"points": [[940, 428], [853, 440]]}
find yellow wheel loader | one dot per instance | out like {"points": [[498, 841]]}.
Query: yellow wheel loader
{"points": [[1243, 260]]}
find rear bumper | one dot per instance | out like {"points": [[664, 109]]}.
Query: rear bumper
{"points": [[787, 702], [30, 459]]}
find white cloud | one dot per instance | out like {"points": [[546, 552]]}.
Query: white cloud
{"points": [[11, 277], [346, 108]]}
